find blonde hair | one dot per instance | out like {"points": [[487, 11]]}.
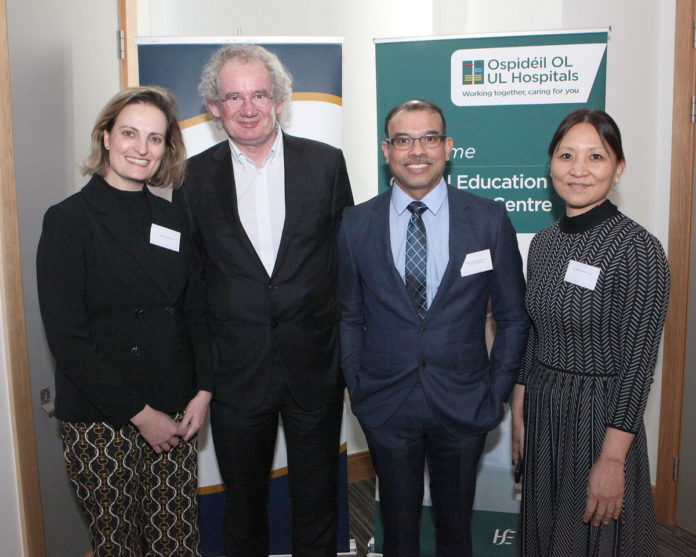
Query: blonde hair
{"points": [[173, 166]]}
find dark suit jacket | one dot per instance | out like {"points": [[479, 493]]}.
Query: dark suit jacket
{"points": [[386, 349], [292, 316], [125, 319]]}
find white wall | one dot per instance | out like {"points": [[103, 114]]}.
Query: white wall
{"points": [[639, 84]]}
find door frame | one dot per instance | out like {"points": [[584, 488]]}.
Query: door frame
{"points": [[679, 255], [15, 341]]}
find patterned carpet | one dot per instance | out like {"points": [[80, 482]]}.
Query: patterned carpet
{"points": [[361, 513], [672, 541]]}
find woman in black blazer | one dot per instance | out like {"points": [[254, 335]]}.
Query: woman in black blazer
{"points": [[124, 310]]}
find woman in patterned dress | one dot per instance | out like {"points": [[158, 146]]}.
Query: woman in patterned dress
{"points": [[124, 310], [597, 291]]}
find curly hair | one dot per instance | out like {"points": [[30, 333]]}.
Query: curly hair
{"points": [[173, 165], [281, 79]]}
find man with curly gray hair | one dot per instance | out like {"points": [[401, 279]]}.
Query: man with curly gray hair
{"points": [[281, 80], [264, 209]]}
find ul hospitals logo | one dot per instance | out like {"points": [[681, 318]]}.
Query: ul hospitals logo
{"points": [[504, 537]]}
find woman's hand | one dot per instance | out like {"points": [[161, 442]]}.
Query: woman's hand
{"points": [[605, 491], [158, 429], [517, 423], [195, 412], [605, 486]]}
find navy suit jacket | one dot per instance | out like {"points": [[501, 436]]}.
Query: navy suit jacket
{"points": [[386, 348]]}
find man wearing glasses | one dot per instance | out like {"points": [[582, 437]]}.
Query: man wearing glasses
{"points": [[417, 266], [264, 209]]}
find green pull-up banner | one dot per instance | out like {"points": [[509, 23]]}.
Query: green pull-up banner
{"points": [[503, 96]]}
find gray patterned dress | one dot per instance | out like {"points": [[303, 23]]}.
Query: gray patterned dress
{"points": [[589, 364]]}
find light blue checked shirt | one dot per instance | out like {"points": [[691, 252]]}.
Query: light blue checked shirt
{"points": [[436, 220]]}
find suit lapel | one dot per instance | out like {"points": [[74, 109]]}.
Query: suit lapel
{"points": [[459, 241], [223, 179], [381, 222], [165, 269], [227, 196], [380, 231], [297, 188]]}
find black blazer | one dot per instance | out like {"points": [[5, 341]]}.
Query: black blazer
{"points": [[291, 316], [125, 319]]}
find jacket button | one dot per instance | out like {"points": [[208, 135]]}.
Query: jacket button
{"points": [[422, 328], [423, 364], [169, 310], [138, 313], [274, 323], [135, 351]]}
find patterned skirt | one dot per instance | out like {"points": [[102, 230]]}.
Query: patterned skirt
{"points": [[565, 417]]}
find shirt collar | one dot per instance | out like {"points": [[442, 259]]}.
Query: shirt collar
{"points": [[433, 200], [276, 148]]}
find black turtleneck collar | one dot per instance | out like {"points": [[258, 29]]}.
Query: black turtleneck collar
{"points": [[583, 222]]}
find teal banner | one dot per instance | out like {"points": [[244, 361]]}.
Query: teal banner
{"points": [[503, 97]]}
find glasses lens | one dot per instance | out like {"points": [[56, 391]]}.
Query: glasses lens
{"points": [[259, 100], [431, 141], [402, 142]]}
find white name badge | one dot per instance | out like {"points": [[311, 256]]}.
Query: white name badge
{"points": [[582, 274], [477, 262], [164, 237]]}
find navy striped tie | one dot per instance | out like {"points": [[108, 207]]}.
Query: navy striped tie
{"points": [[416, 258]]}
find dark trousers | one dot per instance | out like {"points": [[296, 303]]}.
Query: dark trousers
{"points": [[399, 449], [244, 445]]}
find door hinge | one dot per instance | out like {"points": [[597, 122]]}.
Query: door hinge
{"points": [[694, 34], [693, 109], [121, 45], [675, 469]]}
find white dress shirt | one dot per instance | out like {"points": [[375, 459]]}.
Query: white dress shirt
{"points": [[261, 199]]}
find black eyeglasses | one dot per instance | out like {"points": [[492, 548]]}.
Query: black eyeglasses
{"points": [[403, 142], [235, 100]]}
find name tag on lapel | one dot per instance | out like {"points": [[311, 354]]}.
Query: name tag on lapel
{"points": [[477, 262], [582, 274], [164, 237]]}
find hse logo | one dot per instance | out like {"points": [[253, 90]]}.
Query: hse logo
{"points": [[505, 537], [472, 72]]}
